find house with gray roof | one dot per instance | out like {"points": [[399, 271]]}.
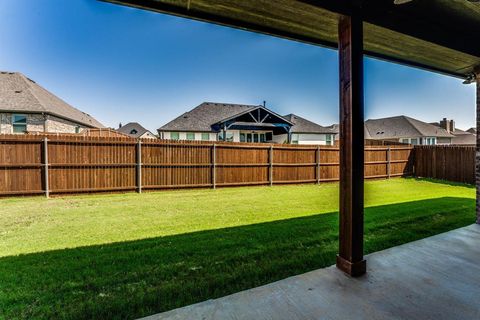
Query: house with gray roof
{"points": [[136, 130], [460, 137], [406, 130], [244, 123], [307, 132], [25, 107]]}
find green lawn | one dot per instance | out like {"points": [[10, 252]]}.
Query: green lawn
{"points": [[129, 255]]}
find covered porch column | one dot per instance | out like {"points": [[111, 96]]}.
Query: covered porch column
{"points": [[350, 42], [477, 153]]}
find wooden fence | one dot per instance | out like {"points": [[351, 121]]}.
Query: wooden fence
{"points": [[69, 164], [452, 163]]}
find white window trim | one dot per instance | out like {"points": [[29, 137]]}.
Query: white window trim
{"points": [[13, 122]]}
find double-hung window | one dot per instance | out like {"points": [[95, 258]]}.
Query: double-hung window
{"points": [[328, 140], [19, 123], [174, 135], [205, 136], [190, 135]]}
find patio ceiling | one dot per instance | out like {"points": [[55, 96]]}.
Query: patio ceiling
{"points": [[437, 35]]}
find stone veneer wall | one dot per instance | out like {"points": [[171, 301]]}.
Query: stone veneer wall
{"points": [[40, 123], [54, 124]]}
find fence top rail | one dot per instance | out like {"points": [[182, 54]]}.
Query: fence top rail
{"points": [[94, 140], [445, 146]]}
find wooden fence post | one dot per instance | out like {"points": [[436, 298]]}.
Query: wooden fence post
{"points": [[270, 169], [214, 161], [45, 167], [317, 172], [389, 159], [139, 166]]}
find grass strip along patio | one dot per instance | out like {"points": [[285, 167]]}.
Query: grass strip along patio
{"points": [[123, 256]]}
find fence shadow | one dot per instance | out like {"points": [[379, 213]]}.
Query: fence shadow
{"points": [[445, 182], [138, 278]]}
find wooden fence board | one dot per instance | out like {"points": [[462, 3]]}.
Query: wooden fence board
{"points": [[452, 163], [90, 164]]}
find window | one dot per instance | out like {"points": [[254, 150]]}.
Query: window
{"points": [[205, 136], [242, 137], [19, 123], [255, 137], [249, 137], [430, 141], [229, 136], [405, 141], [77, 129], [269, 136], [133, 131], [328, 140], [294, 138], [190, 136], [262, 137], [174, 135], [414, 141]]}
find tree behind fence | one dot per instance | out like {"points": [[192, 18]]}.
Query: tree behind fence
{"points": [[71, 164]]}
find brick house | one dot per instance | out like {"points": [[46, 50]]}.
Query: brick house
{"points": [[26, 107]]}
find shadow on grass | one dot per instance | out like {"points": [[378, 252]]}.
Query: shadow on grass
{"points": [[445, 182], [138, 278]]}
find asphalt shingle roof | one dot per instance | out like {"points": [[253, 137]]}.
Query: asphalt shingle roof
{"points": [[20, 94], [402, 127], [127, 129], [302, 125], [202, 117]]}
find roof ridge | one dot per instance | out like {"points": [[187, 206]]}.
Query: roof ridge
{"points": [[29, 87], [412, 124]]}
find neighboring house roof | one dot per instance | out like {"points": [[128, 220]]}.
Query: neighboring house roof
{"points": [[134, 129], [472, 130], [207, 114], [464, 138], [302, 125], [20, 94], [460, 136], [403, 127]]}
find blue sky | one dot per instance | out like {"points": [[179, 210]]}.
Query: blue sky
{"points": [[121, 64]]}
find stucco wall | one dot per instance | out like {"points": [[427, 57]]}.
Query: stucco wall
{"points": [[40, 123]]}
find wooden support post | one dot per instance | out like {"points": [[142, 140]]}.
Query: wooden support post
{"points": [[270, 171], [477, 153], [46, 186], [350, 34], [317, 172], [214, 161], [389, 160], [139, 166]]}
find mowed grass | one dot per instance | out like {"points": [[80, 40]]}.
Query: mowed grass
{"points": [[123, 256]]}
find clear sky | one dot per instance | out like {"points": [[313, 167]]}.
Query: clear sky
{"points": [[121, 64]]}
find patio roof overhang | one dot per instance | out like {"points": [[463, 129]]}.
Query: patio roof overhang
{"points": [[437, 35]]}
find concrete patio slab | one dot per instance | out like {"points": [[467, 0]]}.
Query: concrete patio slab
{"points": [[433, 278]]}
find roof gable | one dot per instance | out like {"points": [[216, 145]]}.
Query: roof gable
{"points": [[258, 114], [21, 94]]}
